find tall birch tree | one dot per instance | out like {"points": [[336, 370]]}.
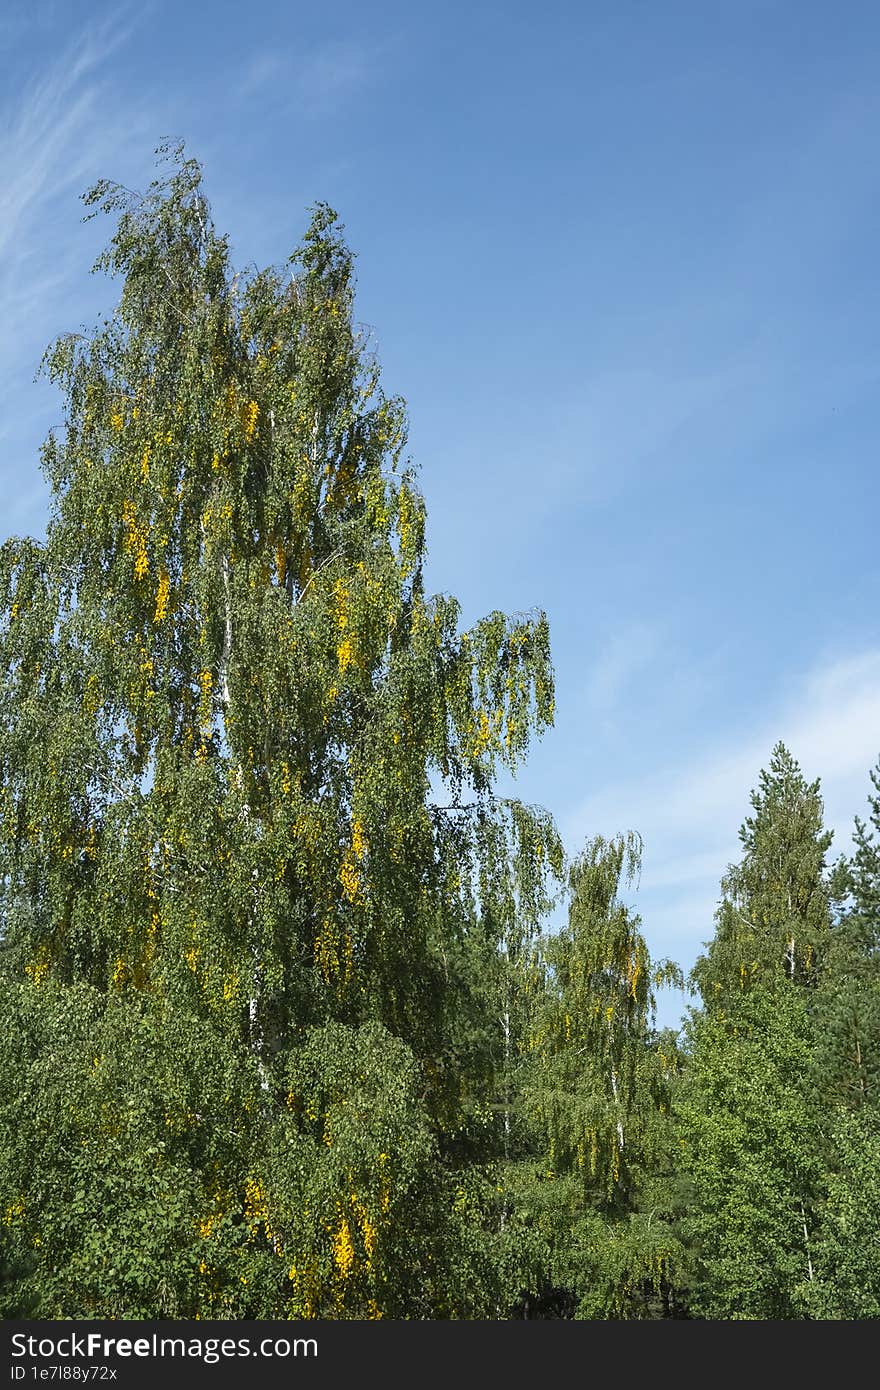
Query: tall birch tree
{"points": [[238, 921]]}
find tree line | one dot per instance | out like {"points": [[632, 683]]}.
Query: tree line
{"points": [[284, 1034]]}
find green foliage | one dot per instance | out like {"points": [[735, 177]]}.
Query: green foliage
{"points": [[596, 1091], [848, 1005], [846, 1077], [749, 1148], [595, 1076], [226, 699], [747, 1115], [121, 1122], [774, 917], [847, 1282], [279, 1034]]}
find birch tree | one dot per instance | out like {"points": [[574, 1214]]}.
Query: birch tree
{"points": [[232, 901], [597, 1089]]}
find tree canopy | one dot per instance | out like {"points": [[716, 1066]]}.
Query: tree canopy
{"points": [[228, 703], [283, 1030]]}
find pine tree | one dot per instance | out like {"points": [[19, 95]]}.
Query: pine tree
{"points": [[846, 1078], [848, 1006], [748, 1119], [242, 1035], [774, 918]]}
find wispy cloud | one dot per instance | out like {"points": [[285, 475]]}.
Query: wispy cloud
{"points": [[622, 659], [55, 139], [320, 81], [830, 720], [42, 150]]}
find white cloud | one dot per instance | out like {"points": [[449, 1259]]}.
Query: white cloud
{"points": [[830, 721], [262, 70], [332, 73], [622, 657], [42, 149], [58, 133], [321, 80]]}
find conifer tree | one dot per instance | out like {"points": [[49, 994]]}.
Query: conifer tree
{"points": [[774, 918], [747, 1114], [848, 1009], [846, 1077]]}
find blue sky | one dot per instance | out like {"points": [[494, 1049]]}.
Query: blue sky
{"points": [[620, 259]]}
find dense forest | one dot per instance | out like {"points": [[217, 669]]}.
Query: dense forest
{"points": [[284, 1033]]}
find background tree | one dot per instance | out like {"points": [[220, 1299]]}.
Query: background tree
{"points": [[774, 917], [846, 1076], [596, 1093], [747, 1114], [749, 1147], [847, 1279], [278, 1034], [230, 903], [848, 1003]]}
